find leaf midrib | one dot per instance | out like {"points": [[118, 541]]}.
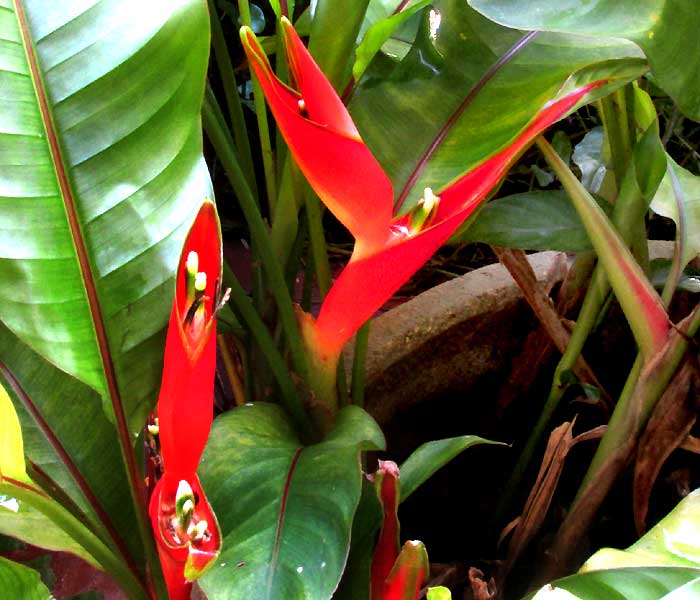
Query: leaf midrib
{"points": [[452, 120]]}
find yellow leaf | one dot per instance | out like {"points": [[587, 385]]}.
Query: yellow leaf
{"points": [[11, 446]]}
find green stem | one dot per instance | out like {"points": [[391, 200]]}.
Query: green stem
{"points": [[614, 136], [318, 241], [263, 126], [233, 99], [358, 365], [259, 331], [77, 531], [261, 240]]}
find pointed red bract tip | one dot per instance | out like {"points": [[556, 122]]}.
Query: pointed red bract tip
{"points": [[325, 142], [410, 571], [386, 481]]}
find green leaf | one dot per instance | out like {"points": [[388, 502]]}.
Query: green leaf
{"points": [[377, 34], [588, 156], [678, 198], [285, 510], [530, 221], [18, 581], [456, 89], [664, 29], [652, 583], [431, 456], [673, 541], [641, 304], [24, 522], [101, 146], [334, 30], [664, 563]]}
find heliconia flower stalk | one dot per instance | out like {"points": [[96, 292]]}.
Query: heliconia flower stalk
{"points": [[394, 575], [341, 169], [185, 527], [386, 483]]}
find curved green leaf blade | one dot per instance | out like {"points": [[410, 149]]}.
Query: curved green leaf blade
{"points": [[678, 198], [100, 143], [665, 29], [664, 563], [467, 89], [22, 521], [18, 581], [377, 34], [431, 456], [673, 541], [530, 221], [285, 510]]}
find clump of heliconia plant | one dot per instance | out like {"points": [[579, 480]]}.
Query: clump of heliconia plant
{"points": [[341, 169], [185, 527]]}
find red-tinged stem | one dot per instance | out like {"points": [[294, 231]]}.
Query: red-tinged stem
{"points": [[641, 304], [469, 98]]}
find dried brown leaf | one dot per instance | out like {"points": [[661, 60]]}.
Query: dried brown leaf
{"points": [[668, 428]]}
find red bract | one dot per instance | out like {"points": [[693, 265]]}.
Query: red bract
{"points": [[394, 575], [386, 481], [188, 539], [327, 146]]}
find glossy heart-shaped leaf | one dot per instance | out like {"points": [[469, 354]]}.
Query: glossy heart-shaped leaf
{"points": [[664, 29], [467, 88], [285, 510]]}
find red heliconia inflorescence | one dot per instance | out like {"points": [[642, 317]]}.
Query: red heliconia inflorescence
{"points": [[187, 533], [341, 169], [394, 575]]}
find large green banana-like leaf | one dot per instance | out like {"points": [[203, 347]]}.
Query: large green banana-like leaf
{"points": [[467, 87], [665, 29], [100, 172]]}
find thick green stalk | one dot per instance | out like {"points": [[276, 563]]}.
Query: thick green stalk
{"points": [[261, 239], [263, 126], [233, 99], [263, 338], [334, 32], [318, 241], [62, 518], [358, 365]]}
